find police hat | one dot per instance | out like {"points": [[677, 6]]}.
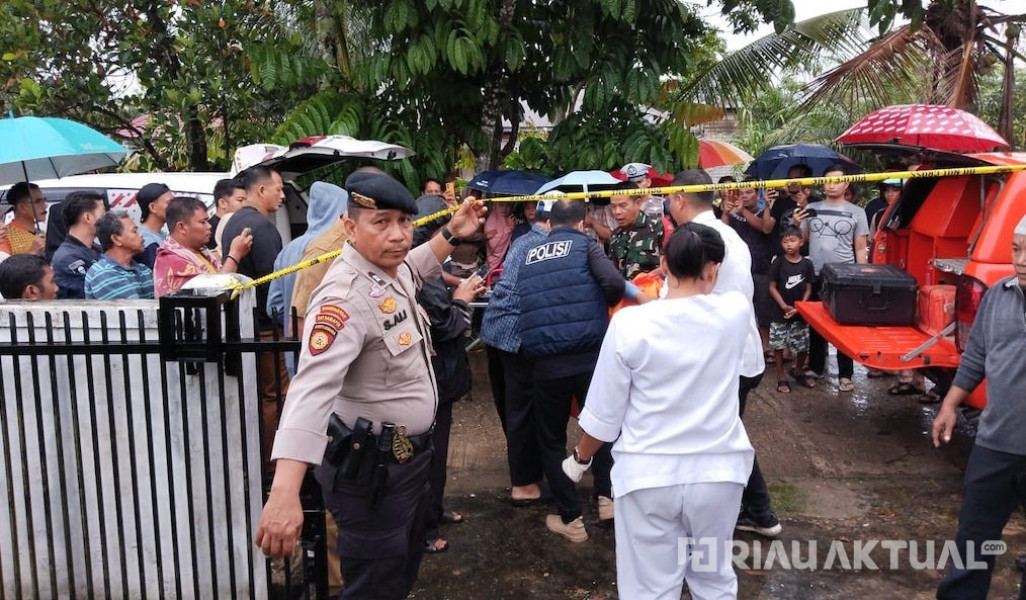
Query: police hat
{"points": [[376, 191], [635, 171]]}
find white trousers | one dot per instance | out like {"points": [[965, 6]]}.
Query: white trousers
{"points": [[653, 554]]}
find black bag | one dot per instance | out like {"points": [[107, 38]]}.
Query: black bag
{"points": [[869, 294]]}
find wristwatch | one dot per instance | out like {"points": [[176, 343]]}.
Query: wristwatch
{"points": [[451, 238]]}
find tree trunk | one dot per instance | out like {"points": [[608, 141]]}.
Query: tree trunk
{"points": [[1005, 119], [196, 138], [495, 96]]}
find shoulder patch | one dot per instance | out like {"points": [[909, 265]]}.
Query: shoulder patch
{"points": [[328, 321]]}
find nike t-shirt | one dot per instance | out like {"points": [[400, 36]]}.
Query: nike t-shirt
{"points": [[791, 279]]}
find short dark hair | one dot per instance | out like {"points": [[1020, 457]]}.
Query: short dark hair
{"points": [[791, 231], [254, 176], [691, 247], [181, 208], [695, 177], [20, 192], [77, 204], [20, 271], [567, 213], [627, 185], [806, 170], [836, 167], [423, 186], [727, 179], [110, 225], [226, 187]]}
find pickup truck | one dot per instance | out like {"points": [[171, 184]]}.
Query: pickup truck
{"points": [[953, 231]]}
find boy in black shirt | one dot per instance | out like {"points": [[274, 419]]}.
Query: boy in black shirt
{"points": [[790, 280]]}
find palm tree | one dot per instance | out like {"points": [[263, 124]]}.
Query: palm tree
{"points": [[957, 44]]}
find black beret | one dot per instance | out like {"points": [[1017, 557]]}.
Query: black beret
{"points": [[377, 191]]}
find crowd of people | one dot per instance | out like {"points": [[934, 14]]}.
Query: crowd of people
{"points": [[383, 331]]}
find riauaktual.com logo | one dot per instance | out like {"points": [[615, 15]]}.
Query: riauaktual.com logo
{"points": [[707, 554]]}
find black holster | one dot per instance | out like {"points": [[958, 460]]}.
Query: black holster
{"points": [[346, 447]]}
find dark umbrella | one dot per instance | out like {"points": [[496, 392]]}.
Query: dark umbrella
{"points": [[775, 162], [508, 183]]}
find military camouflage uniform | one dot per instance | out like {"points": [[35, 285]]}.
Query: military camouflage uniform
{"points": [[636, 249]]}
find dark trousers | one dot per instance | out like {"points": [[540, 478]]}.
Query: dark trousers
{"points": [[818, 349], [380, 546], [522, 451], [995, 485], [497, 380], [755, 501], [439, 463], [552, 399]]}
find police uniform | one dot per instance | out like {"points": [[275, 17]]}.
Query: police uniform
{"points": [[367, 354], [636, 249]]}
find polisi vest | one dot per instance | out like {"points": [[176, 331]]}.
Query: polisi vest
{"points": [[562, 307]]}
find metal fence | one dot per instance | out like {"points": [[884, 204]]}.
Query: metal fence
{"points": [[130, 447]]}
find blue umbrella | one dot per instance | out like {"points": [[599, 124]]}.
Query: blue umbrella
{"points": [[580, 181], [47, 148], [775, 162], [508, 183]]}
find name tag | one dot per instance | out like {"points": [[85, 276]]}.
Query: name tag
{"points": [[549, 251]]}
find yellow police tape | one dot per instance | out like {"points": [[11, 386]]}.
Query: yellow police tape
{"points": [[677, 189]]}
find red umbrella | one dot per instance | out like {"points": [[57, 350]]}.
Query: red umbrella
{"points": [[924, 125], [714, 153]]}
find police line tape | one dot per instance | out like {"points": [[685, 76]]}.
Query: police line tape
{"points": [[662, 191]]}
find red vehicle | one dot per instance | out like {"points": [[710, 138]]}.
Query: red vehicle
{"points": [[951, 231]]}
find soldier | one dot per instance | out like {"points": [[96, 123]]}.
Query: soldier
{"points": [[637, 242], [366, 367]]}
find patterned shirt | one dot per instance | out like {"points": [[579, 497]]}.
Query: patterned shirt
{"points": [[499, 324], [108, 279], [636, 249], [175, 265]]}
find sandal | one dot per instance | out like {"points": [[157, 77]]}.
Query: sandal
{"points": [[905, 388], [845, 385], [784, 387], [450, 517], [804, 380], [435, 546]]}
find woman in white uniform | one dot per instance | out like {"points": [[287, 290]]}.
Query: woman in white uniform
{"points": [[665, 389]]}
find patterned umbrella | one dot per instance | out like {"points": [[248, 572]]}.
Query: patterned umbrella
{"points": [[924, 125], [714, 153]]}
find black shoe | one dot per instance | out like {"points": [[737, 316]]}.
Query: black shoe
{"points": [[769, 526]]}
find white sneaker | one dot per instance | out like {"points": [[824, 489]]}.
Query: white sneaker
{"points": [[605, 508], [573, 531]]}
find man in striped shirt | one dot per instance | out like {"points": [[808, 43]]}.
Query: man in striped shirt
{"points": [[116, 276]]}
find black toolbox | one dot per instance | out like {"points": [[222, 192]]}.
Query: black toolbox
{"points": [[867, 294]]}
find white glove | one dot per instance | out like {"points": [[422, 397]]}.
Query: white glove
{"points": [[575, 470]]}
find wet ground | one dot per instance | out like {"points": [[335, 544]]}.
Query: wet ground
{"points": [[843, 469]]}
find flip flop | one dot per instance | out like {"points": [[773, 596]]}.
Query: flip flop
{"points": [[805, 381], [784, 387], [845, 385], [451, 518], [905, 388], [431, 546]]}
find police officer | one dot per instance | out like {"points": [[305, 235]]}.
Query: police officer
{"points": [[366, 358]]}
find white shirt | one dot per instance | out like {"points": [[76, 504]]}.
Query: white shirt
{"points": [[736, 276], [674, 406]]}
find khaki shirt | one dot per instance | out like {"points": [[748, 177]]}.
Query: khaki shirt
{"points": [[309, 278], [366, 353]]}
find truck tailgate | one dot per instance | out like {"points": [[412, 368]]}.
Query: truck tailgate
{"points": [[880, 347]]}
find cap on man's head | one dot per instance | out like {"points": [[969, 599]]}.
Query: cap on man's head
{"points": [[375, 191], [1020, 229], [635, 171], [150, 192]]}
